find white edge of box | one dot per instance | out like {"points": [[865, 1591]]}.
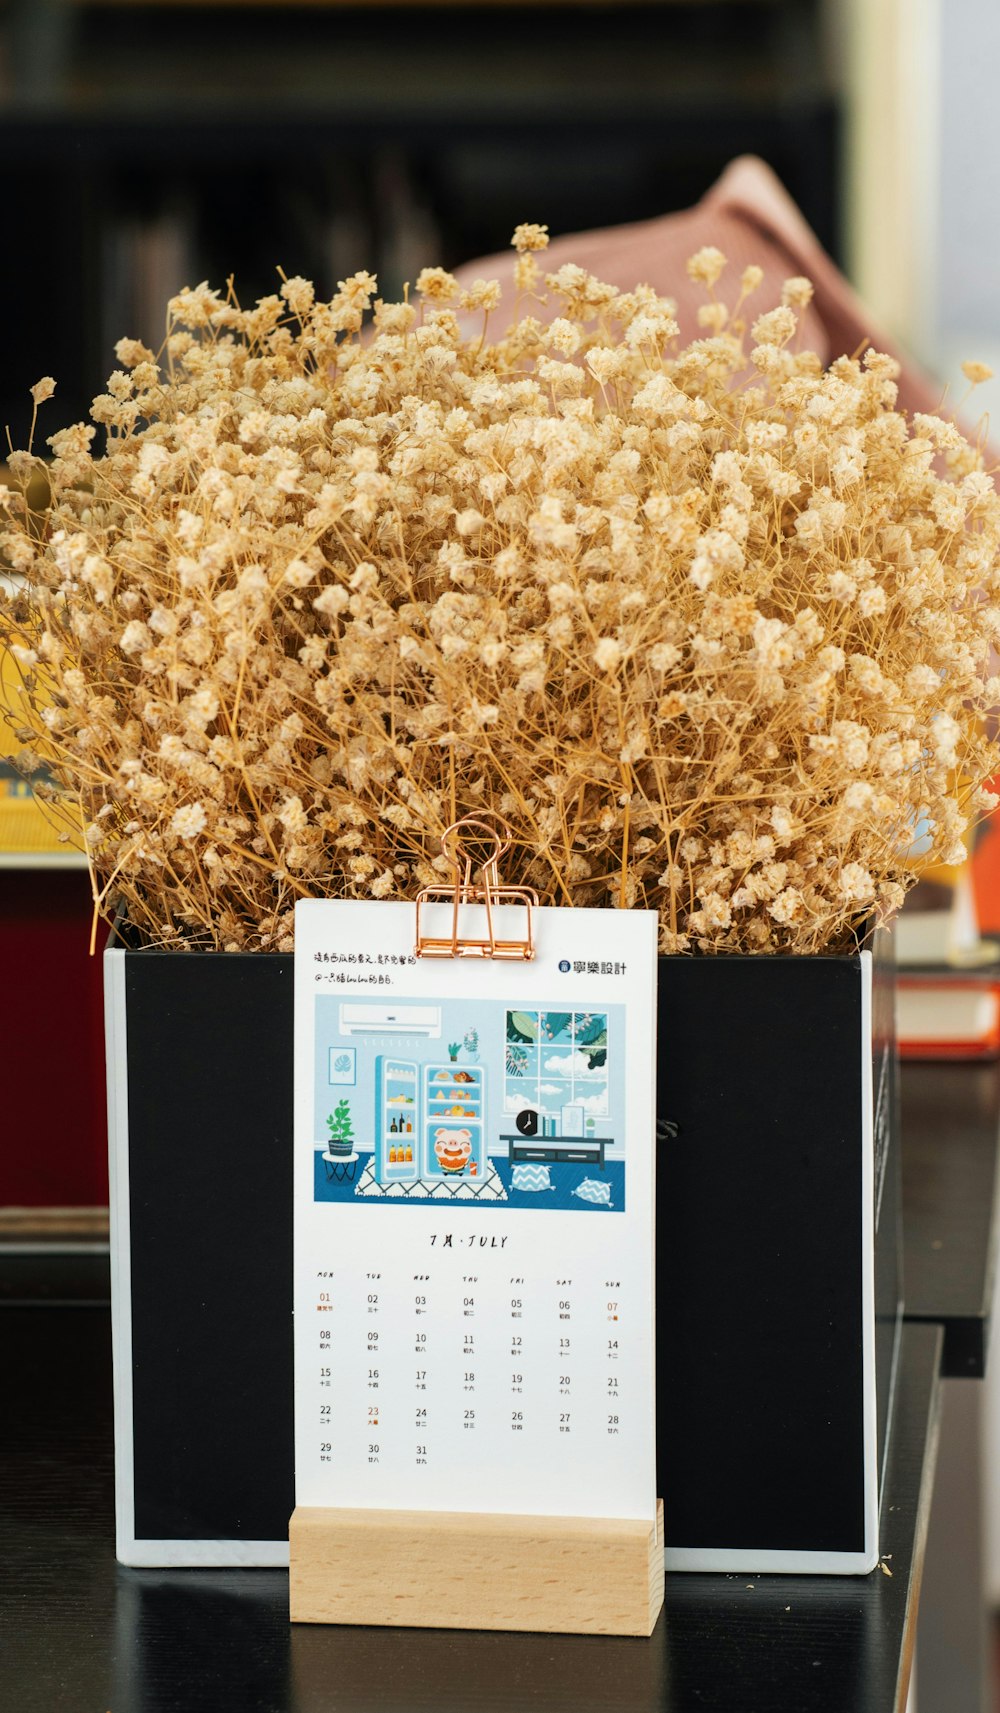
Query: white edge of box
{"points": [[142, 1554], [653, 1168], [790, 1560], [121, 1270]]}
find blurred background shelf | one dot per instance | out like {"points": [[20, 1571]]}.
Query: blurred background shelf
{"points": [[148, 146]]}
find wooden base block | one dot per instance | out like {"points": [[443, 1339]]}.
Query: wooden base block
{"points": [[452, 1571]]}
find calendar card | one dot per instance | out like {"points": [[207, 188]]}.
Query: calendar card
{"points": [[474, 1216]]}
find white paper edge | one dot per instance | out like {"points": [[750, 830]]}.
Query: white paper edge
{"points": [[787, 1561], [871, 1553], [193, 1555], [148, 1554], [830, 1563], [654, 1043], [115, 1053]]}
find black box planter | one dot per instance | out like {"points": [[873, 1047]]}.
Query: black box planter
{"points": [[199, 1050], [779, 1294], [778, 1287]]}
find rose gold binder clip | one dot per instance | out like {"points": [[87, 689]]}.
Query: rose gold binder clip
{"points": [[490, 893]]}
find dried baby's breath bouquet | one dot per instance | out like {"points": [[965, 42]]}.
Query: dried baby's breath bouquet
{"points": [[707, 625]]}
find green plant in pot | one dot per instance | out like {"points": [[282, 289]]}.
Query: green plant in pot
{"points": [[341, 1129]]}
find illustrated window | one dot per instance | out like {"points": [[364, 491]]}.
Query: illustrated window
{"points": [[556, 1059]]}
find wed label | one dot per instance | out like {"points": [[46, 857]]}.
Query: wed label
{"points": [[474, 1216]]}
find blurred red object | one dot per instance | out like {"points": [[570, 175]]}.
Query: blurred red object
{"points": [[985, 867], [52, 1102]]}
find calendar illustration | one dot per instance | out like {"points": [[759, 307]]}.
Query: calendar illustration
{"points": [[484, 1102], [474, 1217]]}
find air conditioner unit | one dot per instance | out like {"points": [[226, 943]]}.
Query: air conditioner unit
{"points": [[389, 1019]]}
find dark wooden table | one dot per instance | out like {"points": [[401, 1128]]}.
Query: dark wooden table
{"points": [[79, 1633], [82, 1635]]}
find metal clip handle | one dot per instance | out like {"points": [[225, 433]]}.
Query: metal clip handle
{"points": [[490, 894]]}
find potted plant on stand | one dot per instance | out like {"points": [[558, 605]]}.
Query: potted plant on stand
{"points": [[341, 1142], [707, 624]]}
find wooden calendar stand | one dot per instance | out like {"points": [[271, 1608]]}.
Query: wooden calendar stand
{"points": [[452, 1571]]}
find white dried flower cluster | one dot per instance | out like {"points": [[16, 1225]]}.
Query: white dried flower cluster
{"points": [[707, 625]]}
